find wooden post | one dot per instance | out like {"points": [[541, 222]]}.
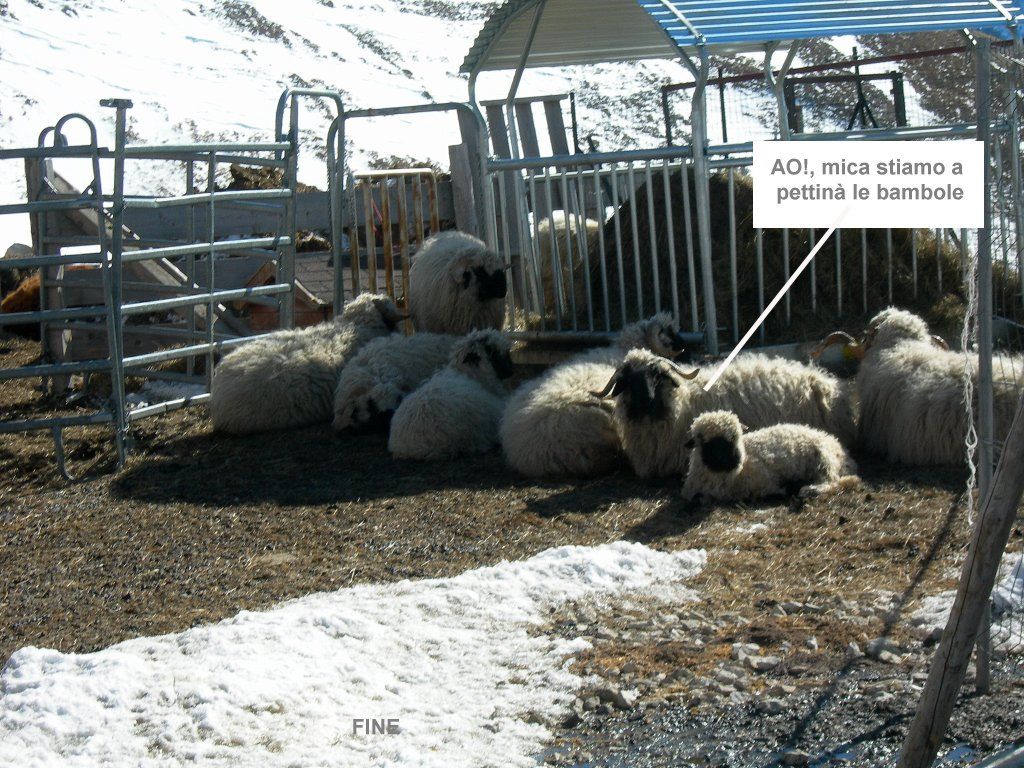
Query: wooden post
{"points": [[462, 191], [988, 541]]}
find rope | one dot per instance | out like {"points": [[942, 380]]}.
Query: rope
{"points": [[969, 334]]}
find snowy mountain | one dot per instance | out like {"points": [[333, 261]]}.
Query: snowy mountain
{"points": [[201, 70]]}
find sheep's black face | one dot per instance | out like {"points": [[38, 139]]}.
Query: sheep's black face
{"points": [[645, 393], [489, 285], [501, 362], [672, 339], [719, 454]]}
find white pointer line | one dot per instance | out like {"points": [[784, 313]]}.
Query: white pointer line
{"points": [[767, 311]]}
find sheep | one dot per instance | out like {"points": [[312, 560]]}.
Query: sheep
{"points": [[559, 227], [656, 403], [456, 285], [382, 373], [779, 460], [287, 378], [457, 411], [553, 426], [911, 391]]}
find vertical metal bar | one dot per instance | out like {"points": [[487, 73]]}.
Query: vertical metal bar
{"points": [[734, 298], [533, 259], [670, 228], [686, 172], [986, 408], [864, 267], [602, 253], [356, 270], [503, 206], [785, 273], [888, 263], [839, 272], [389, 256], [335, 186], [634, 229], [1015, 169], [116, 328], [759, 245], [371, 237], [811, 240], [417, 209], [286, 268], [211, 187], [618, 241], [564, 186], [190, 260], [913, 258], [555, 256], [583, 241], [403, 247], [655, 250]]}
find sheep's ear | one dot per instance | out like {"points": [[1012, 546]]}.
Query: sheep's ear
{"points": [[460, 269]]}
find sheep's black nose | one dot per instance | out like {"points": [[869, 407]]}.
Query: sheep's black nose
{"points": [[492, 285], [678, 342], [502, 364]]}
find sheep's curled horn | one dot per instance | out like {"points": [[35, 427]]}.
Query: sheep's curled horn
{"points": [[836, 338], [615, 378]]}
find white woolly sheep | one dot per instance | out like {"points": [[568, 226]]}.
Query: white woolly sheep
{"points": [[554, 426], [911, 391], [387, 369], [287, 378], [655, 404], [560, 228], [779, 460], [457, 411], [456, 285]]}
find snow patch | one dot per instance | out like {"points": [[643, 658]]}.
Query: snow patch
{"points": [[1007, 609], [463, 664]]}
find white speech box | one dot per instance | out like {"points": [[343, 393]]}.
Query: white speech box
{"points": [[872, 184]]}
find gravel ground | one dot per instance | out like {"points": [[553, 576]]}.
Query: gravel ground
{"points": [[199, 526]]}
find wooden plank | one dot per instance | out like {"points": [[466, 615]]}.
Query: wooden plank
{"points": [[499, 131], [949, 664], [463, 198], [556, 126], [527, 130]]}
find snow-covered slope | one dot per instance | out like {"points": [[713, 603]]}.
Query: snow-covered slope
{"points": [[200, 70], [465, 665]]}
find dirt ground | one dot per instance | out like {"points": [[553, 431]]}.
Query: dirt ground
{"points": [[199, 526]]}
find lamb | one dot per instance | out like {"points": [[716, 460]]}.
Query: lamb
{"points": [[457, 411], [911, 391], [656, 403], [456, 285], [383, 372], [553, 426], [287, 378], [779, 460]]}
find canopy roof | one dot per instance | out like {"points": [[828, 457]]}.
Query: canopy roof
{"points": [[593, 31]]}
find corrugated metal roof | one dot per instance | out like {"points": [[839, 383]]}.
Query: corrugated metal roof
{"points": [[591, 31]]}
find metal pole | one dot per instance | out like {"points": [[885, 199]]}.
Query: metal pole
{"points": [[777, 84], [286, 268], [116, 343], [698, 120], [985, 405]]}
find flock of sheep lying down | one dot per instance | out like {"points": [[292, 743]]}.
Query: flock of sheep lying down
{"points": [[443, 392]]}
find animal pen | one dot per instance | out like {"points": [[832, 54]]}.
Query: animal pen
{"points": [[642, 231]]}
